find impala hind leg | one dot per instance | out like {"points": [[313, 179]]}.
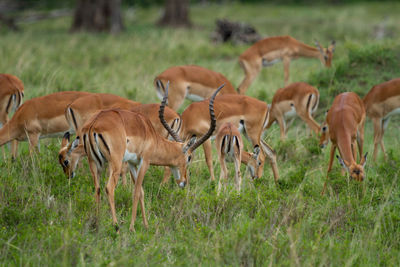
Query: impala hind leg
{"points": [[96, 180], [137, 192], [238, 176], [115, 171], [223, 175], [286, 69], [251, 70], [309, 120]]}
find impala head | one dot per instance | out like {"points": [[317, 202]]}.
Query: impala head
{"points": [[180, 172], [324, 139], [356, 171], [67, 159], [254, 164], [326, 53]]}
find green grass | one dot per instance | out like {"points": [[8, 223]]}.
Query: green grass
{"points": [[46, 219]]}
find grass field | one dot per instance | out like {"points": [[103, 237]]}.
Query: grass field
{"points": [[46, 219]]}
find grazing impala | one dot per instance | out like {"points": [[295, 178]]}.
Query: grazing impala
{"points": [[192, 82], [344, 127], [116, 135], [79, 110], [298, 98], [230, 148], [39, 117], [250, 115], [11, 94], [268, 51], [382, 102]]}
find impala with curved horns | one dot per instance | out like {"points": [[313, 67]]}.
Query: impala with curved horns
{"points": [[269, 51], [249, 114], [115, 136]]}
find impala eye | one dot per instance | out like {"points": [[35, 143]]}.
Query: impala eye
{"points": [[324, 129], [189, 158], [66, 162]]}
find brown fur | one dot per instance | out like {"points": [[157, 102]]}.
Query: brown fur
{"points": [[194, 80], [284, 48], [379, 102], [344, 127], [302, 97]]}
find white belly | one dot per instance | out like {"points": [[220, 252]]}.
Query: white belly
{"points": [[393, 112], [291, 113], [131, 157]]}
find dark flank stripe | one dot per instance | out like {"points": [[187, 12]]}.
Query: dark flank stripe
{"points": [[84, 143], [73, 118], [105, 144], [94, 152], [308, 102], [9, 103]]}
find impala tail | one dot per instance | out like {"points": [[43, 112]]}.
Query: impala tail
{"points": [[96, 146]]}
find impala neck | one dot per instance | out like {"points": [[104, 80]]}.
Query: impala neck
{"points": [[309, 51], [168, 153], [345, 149]]}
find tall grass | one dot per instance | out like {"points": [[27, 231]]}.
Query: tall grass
{"points": [[47, 219]]}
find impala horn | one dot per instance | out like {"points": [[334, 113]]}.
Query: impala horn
{"points": [[162, 119], [213, 123]]}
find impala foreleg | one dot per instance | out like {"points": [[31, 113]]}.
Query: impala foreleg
{"points": [[271, 155], [96, 180], [286, 69], [145, 223], [378, 128], [238, 176], [208, 155], [331, 157], [223, 177]]}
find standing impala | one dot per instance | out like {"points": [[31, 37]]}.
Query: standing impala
{"points": [[11, 96], [298, 98], [268, 51], [79, 112], [250, 115], [39, 117], [192, 82], [116, 135], [344, 127], [382, 102], [230, 148]]}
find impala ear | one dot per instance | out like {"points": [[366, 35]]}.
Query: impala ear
{"points": [[318, 45], [256, 151], [65, 140], [342, 162], [364, 160], [73, 146], [332, 46]]}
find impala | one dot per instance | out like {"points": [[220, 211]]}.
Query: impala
{"points": [[39, 117], [230, 148], [298, 98], [192, 82], [268, 51], [115, 136], [250, 115], [344, 127], [382, 102], [11, 96], [69, 158]]}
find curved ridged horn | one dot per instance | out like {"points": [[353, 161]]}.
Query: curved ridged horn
{"points": [[319, 46], [213, 123], [162, 119]]}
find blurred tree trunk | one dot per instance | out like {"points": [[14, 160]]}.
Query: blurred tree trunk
{"points": [[98, 16], [176, 14]]}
